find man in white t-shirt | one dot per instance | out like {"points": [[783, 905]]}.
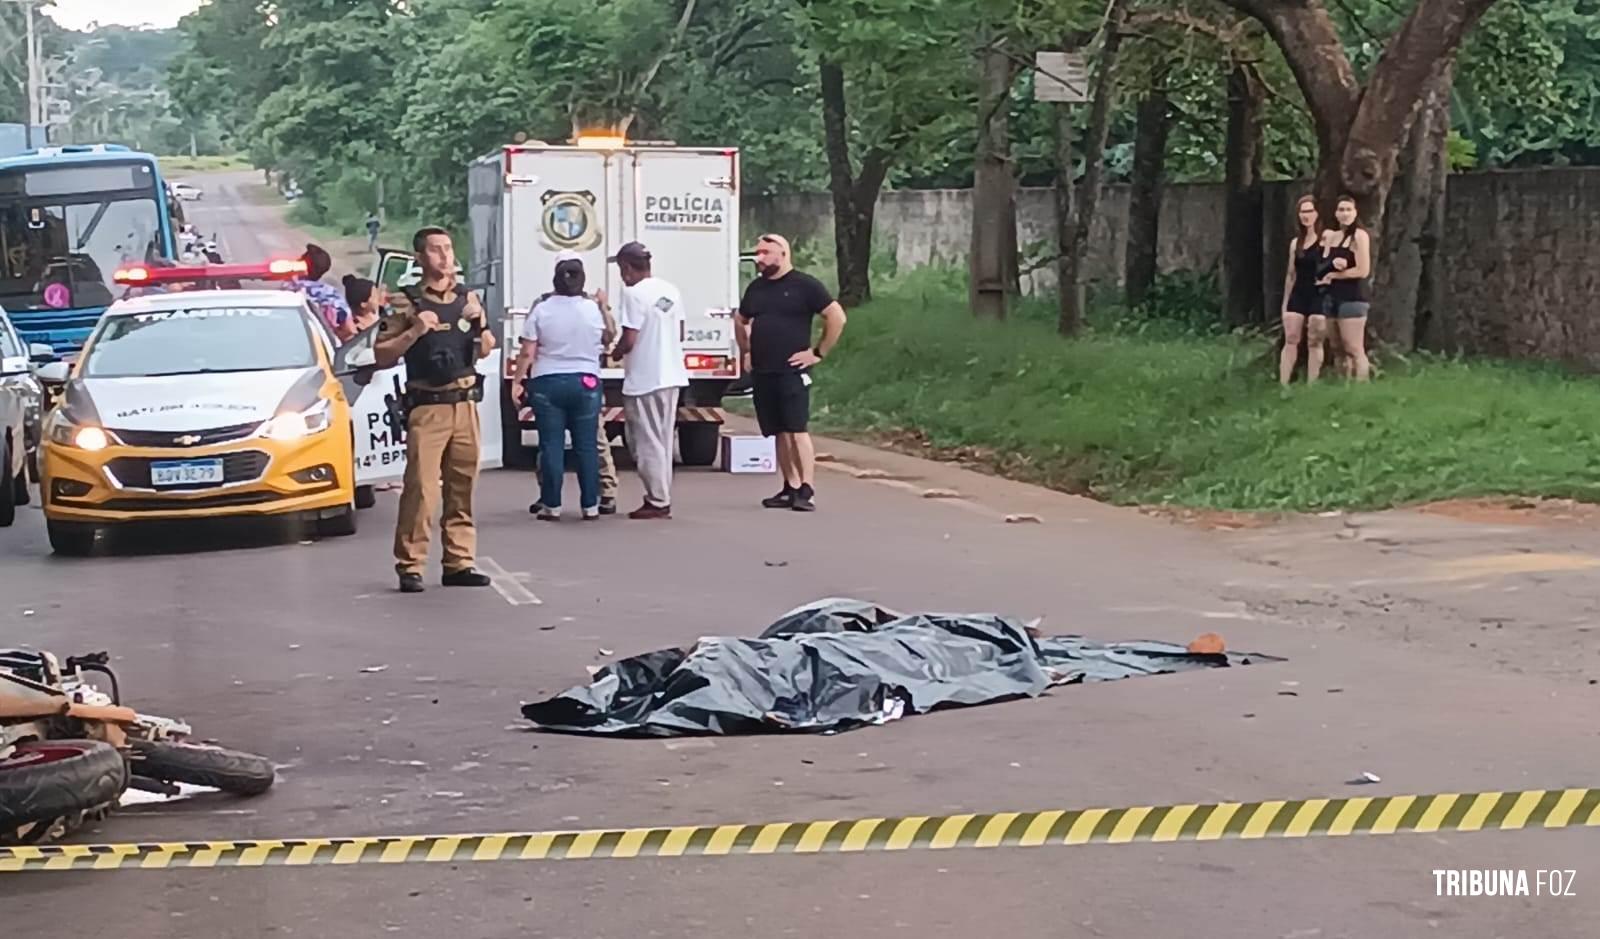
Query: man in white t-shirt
{"points": [[650, 313]]}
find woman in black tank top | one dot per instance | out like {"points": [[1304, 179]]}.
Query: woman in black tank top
{"points": [[1303, 314], [1349, 253]]}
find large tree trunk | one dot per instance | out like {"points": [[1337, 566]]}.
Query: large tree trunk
{"points": [[1410, 220], [1151, 127], [1361, 130], [1242, 247], [992, 259], [855, 198], [1431, 287], [1073, 292], [1070, 310]]}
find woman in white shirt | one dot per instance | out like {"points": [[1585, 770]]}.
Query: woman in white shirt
{"points": [[559, 374]]}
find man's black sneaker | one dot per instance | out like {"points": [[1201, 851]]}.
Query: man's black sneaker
{"points": [[411, 583], [608, 506], [803, 500], [466, 577], [783, 500]]}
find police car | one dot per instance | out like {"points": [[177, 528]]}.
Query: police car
{"points": [[198, 403]]}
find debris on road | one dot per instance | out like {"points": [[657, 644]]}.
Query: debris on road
{"points": [[839, 664], [1365, 779], [1024, 519], [374, 669]]}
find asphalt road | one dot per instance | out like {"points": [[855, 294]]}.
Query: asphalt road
{"points": [[261, 640]]}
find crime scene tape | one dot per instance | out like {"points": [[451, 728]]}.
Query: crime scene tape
{"points": [[1302, 818]]}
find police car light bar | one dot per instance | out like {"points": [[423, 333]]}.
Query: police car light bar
{"points": [[281, 269]]}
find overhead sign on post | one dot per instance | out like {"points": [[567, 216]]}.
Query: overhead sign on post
{"points": [[1061, 77]]}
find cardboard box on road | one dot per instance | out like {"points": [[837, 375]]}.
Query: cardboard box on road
{"points": [[747, 454]]}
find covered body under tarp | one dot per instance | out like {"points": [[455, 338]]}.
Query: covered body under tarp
{"points": [[838, 664]]}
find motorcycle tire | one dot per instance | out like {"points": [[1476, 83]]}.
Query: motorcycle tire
{"points": [[241, 774], [50, 779]]}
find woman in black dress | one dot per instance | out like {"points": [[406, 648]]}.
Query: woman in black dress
{"points": [[1303, 313]]}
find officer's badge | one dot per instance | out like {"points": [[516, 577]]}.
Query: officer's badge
{"points": [[570, 220], [463, 325]]}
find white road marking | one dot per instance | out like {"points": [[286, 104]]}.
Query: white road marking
{"points": [[508, 584]]}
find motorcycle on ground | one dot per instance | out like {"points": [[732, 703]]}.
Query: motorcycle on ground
{"points": [[68, 750]]}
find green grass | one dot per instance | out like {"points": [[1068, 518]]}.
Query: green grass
{"points": [[1151, 411], [203, 164]]}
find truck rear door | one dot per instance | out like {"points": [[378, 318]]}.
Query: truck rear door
{"points": [[685, 208], [561, 199]]}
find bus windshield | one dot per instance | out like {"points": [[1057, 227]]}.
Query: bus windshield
{"points": [[64, 230]]}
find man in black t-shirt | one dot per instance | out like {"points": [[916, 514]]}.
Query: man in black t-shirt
{"points": [[774, 332]]}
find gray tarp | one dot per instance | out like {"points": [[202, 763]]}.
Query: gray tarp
{"points": [[839, 664]]}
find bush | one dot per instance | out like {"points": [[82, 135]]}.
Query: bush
{"points": [[1196, 418]]}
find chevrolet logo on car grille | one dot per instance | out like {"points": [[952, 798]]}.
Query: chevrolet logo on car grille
{"points": [[187, 440]]}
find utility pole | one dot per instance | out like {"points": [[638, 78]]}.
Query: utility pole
{"points": [[34, 77]]}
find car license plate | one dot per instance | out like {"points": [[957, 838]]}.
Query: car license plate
{"points": [[185, 472]]}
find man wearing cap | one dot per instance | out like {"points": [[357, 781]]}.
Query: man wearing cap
{"points": [[650, 313], [773, 327]]}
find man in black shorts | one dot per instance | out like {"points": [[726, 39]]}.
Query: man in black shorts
{"points": [[774, 331]]}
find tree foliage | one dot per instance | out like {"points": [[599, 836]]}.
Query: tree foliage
{"points": [[341, 93]]}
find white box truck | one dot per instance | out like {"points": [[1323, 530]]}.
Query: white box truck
{"points": [[528, 202]]}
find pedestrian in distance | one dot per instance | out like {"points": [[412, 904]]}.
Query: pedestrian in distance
{"points": [[1349, 253], [374, 225], [440, 330], [651, 316], [773, 328], [1304, 313], [558, 373]]}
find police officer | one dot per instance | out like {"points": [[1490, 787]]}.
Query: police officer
{"points": [[439, 328]]}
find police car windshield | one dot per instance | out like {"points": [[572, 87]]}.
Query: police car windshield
{"points": [[199, 342]]}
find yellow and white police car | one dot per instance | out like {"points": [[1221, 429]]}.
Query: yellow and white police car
{"points": [[197, 403]]}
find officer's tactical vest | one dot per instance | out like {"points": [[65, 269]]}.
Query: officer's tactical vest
{"points": [[443, 355]]}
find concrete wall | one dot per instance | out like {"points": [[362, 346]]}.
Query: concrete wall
{"points": [[1520, 248], [934, 226]]}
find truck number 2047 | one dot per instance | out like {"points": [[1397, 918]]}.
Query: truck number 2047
{"points": [[702, 335]]}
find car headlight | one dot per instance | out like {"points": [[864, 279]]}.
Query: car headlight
{"points": [[60, 429], [91, 439], [32, 395], [25, 383], [292, 425]]}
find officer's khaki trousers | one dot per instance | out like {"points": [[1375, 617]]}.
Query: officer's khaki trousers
{"points": [[441, 452], [608, 462]]}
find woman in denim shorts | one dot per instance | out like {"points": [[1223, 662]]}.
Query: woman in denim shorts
{"points": [[1349, 255]]}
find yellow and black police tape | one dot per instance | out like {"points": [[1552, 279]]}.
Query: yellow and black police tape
{"points": [[1297, 818]]}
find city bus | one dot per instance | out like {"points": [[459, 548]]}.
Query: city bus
{"points": [[70, 217]]}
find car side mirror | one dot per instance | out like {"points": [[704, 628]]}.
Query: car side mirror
{"points": [[365, 357], [55, 372], [40, 352]]}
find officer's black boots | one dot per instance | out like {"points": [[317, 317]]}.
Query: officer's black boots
{"points": [[411, 583], [466, 577]]}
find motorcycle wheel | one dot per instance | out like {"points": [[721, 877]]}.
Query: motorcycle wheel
{"points": [[49, 779], [242, 774]]}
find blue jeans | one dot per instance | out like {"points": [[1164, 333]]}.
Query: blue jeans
{"points": [[562, 404]]}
